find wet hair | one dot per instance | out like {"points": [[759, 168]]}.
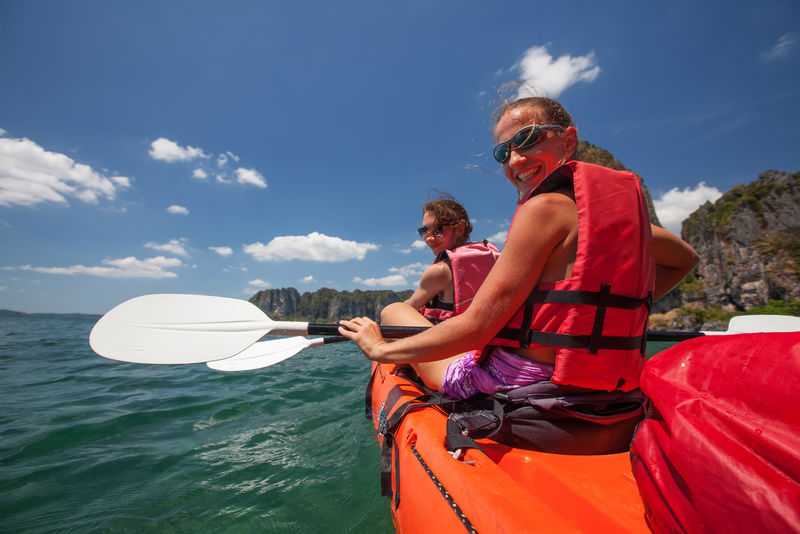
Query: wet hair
{"points": [[547, 110], [447, 211]]}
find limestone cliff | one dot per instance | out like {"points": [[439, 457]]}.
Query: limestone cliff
{"points": [[749, 247], [325, 305]]}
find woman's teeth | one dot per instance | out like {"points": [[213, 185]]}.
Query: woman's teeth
{"points": [[528, 173]]}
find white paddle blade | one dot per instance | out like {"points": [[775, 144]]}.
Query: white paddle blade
{"points": [[172, 329], [265, 353], [747, 324]]}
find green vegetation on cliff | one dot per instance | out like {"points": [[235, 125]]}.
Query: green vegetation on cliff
{"points": [[782, 244], [749, 196]]}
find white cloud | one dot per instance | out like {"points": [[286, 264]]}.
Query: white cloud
{"points": [[221, 179], [415, 269], [122, 181], [222, 159], [2, 132], [782, 48], [222, 251], [178, 210], [30, 175], [675, 205], [173, 246], [200, 174], [306, 279], [165, 150], [129, 267], [233, 156], [311, 247], [498, 239], [394, 280], [418, 244], [250, 177], [2, 288], [255, 285], [551, 77]]}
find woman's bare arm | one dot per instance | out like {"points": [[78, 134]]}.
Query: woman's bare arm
{"points": [[435, 279], [539, 226], [674, 258]]}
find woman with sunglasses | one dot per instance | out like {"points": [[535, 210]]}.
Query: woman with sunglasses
{"points": [[446, 230], [568, 299]]}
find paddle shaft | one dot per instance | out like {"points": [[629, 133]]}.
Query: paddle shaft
{"points": [[394, 332], [662, 335], [391, 332]]}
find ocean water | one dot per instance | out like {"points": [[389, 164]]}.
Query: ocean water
{"points": [[92, 445]]}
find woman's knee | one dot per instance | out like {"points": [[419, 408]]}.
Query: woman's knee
{"points": [[401, 314]]}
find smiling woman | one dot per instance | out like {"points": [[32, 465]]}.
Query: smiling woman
{"points": [[447, 287], [554, 309]]}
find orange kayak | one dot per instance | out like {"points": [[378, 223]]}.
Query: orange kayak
{"points": [[504, 490]]}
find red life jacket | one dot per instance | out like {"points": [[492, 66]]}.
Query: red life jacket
{"points": [[469, 264], [597, 318]]}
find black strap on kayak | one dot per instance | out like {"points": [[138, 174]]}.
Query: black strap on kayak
{"points": [[461, 424], [387, 426]]}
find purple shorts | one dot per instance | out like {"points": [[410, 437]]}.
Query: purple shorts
{"points": [[500, 369]]}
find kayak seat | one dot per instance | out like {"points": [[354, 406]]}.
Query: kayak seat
{"points": [[543, 417]]}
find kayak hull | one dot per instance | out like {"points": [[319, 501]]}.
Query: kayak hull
{"points": [[504, 490]]}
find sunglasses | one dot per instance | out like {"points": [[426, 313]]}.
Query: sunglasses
{"points": [[528, 136], [424, 231]]}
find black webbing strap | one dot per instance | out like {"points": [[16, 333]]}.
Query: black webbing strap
{"points": [[590, 298], [599, 319], [570, 341], [593, 342], [387, 425], [527, 317], [436, 304], [457, 437]]}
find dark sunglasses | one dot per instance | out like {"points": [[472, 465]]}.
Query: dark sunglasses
{"points": [[528, 136], [424, 231]]}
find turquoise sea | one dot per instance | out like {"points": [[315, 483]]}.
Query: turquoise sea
{"points": [[92, 445]]}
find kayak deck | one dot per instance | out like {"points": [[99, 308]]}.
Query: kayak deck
{"points": [[504, 490]]}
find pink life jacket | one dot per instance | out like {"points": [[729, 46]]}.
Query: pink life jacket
{"points": [[597, 318], [469, 264]]}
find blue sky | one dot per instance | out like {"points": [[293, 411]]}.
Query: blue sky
{"points": [[224, 147]]}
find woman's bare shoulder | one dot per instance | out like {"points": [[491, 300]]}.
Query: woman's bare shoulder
{"points": [[437, 271], [551, 207]]}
